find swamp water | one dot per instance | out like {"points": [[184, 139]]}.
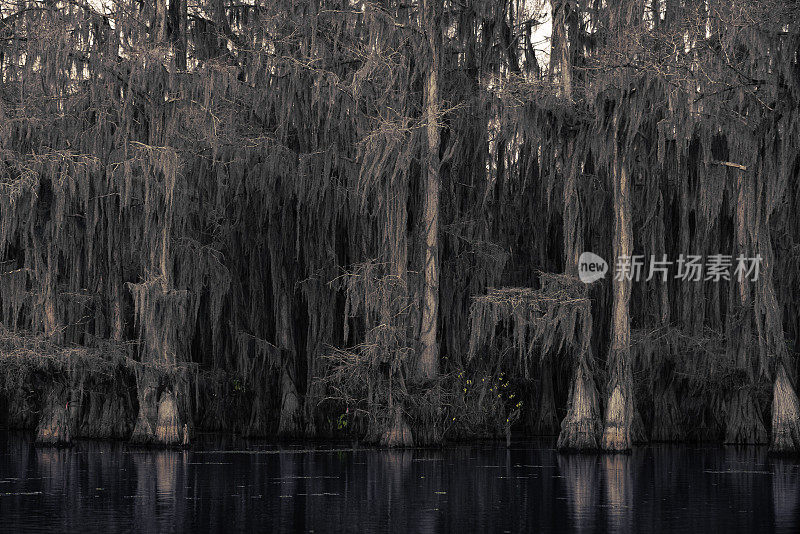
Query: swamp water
{"points": [[229, 485]]}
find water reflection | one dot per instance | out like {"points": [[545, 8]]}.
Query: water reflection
{"points": [[583, 494], [618, 475], [160, 484], [786, 494], [98, 487]]}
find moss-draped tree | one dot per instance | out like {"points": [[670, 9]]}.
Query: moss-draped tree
{"points": [[298, 218]]}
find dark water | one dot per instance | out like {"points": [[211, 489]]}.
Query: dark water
{"points": [[107, 487]]}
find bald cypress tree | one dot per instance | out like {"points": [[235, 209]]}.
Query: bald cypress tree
{"points": [[320, 216]]}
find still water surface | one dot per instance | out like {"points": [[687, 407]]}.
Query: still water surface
{"points": [[236, 486]]}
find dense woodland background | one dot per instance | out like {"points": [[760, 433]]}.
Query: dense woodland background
{"points": [[362, 219]]}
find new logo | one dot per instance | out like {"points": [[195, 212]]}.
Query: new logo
{"points": [[591, 267]]}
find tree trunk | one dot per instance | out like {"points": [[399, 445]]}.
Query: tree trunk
{"points": [[428, 367], [546, 422], [51, 323], [620, 407], [581, 426], [55, 424], [560, 45], [743, 421], [147, 385], [289, 425], [117, 312], [158, 422], [169, 430], [399, 433], [290, 414], [52, 328], [160, 22], [785, 414], [178, 17], [785, 406], [666, 425], [105, 413]]}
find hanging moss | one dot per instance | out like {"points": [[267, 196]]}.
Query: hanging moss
{"points": [[257, 204]]}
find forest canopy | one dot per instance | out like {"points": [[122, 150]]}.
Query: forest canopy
{"points": [[364, 219]]}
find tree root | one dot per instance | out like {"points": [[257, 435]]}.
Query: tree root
{"points": [[581, 426], [291, 413], [785, 415], [666, 418], [617, 431], [743, 420], [55, 425], [159, 422], [145, 430], [399, 434], [169, 430]]}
